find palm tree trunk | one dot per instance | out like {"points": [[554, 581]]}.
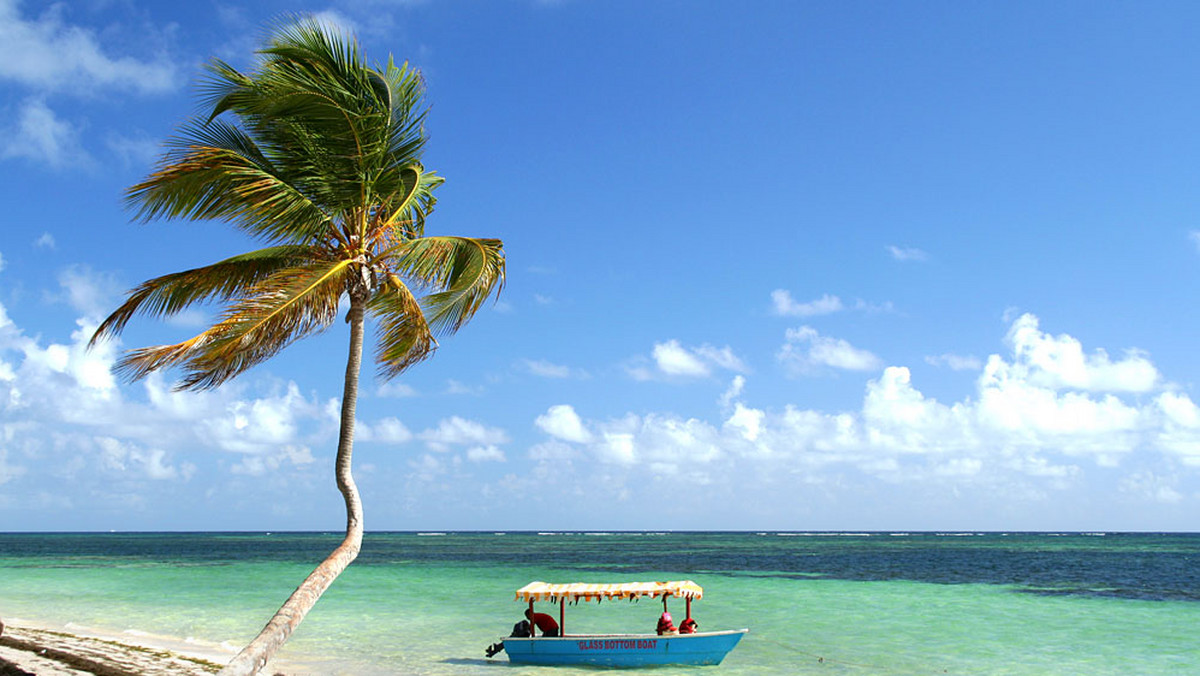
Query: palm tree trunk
{"points": [[258, 652]]}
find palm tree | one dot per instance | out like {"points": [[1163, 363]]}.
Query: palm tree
{"points": [[316, 155]]}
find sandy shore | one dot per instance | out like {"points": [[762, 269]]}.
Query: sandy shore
{"points": [[43, 652], [28, 648]]}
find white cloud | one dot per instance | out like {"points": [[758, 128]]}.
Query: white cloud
{"points": [[1025, 419], [396, 389], [456, 431], [785, 306], [1179, 432], [806, 350], [259, 465], [552, 450], [45, 241], [748, 422], [673, 360], [457, 387], [489, 453], [335, 21], [387, 431], [660, 444], [48, 54], [257, 426], [1147, 485], [39, 135], [8, 472], [546, 369], [1059, 362], [88, 292], [736, 386], [907, 254], [561, 422], [129, 459], [134, 151]]}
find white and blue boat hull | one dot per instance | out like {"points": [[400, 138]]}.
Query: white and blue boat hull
{"points": [[624, 650]]}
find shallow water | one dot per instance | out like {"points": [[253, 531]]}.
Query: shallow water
{"points": [[878, 603]]}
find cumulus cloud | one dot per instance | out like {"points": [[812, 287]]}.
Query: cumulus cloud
{"points": [[673, 360], [49, 54], [455, 431], [66, 393], [1043, 411], [561, 422], [387, 431], [806, 350], [785, 306], [126, 458], [1060, 362]]}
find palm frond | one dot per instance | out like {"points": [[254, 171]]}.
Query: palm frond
{"points": [[170, 294], [139, 363], [404, 335], [410, 203], [217, 171], [289, 305], [464, 271]]}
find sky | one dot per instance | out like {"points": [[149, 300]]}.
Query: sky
{"points": [[771, 266]]}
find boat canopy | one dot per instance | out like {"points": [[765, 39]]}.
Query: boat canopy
{"points": [[587, 591]]}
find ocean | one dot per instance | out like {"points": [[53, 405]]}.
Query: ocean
{"points": [[427, 604]]}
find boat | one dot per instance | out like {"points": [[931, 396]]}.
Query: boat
{"points": [[618, 650]]}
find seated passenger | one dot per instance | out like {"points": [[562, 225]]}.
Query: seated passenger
{"points": [[665, 625], [688, 626]]}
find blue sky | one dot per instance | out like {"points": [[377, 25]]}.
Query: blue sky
{"points": [[773, 266]]}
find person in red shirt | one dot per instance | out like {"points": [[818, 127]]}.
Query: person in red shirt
{"points": [[665, 625], [542, 621]]}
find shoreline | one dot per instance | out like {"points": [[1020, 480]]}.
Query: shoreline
{"points": [[30, 648]]}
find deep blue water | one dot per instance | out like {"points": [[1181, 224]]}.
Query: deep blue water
{"points": [[1145, 566]]}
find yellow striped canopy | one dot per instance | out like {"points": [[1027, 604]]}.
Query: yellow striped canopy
{"points": [[587, 591]]}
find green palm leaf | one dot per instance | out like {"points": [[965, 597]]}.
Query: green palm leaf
{"points": [[464, 271], [170, 294]]}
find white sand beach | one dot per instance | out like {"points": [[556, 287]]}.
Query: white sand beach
{"points": [[29, 648]]}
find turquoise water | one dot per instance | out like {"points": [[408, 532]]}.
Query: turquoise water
{"points": [[921, 603]]}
